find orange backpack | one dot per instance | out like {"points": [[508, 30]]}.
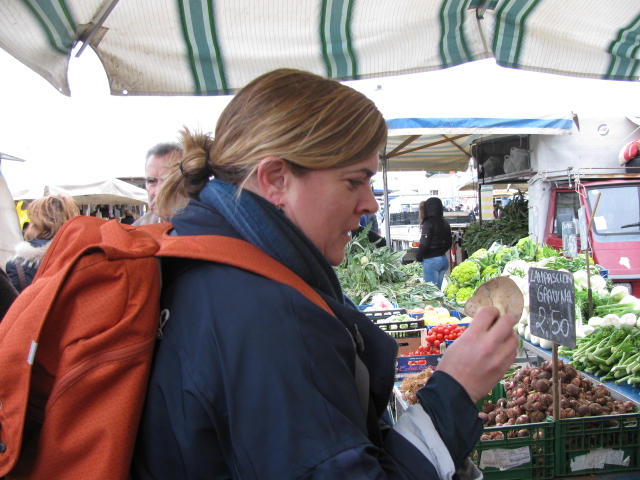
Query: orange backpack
{"points": [[76, 346]]}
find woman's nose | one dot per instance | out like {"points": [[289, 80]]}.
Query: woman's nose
{"points": [[371, 204]]}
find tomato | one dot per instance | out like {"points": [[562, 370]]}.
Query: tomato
{"points": [[439, 337], [446, 331], [437, 342]]}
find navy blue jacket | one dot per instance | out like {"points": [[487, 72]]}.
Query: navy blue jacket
{"points": [[253, 381], [30, 255]]}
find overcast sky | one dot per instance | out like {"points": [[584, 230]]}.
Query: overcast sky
{"points": [[94, 135]]}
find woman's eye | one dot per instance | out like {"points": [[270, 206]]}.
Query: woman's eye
{"points": [[356, 183]]}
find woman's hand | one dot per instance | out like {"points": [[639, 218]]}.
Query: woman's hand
{"points": [[480, 357]]}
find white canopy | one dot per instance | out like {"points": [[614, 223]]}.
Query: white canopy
{"points": [[10, 233], [105, 192], [205, 47]]}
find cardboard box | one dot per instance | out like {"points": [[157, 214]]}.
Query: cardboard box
{"points": [[406, 366], [408, 345]]}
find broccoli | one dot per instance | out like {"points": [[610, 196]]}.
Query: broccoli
{"points": [[450, 290], [464, 294], [482, 253], [504, 255], [523, 243], [490, 272], [527, 248], [483, 258], [466, 272]]}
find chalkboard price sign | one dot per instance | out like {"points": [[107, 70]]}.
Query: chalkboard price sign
{"points": [[552, 306]]}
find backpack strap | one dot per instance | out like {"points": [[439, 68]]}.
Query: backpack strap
{"points": [[242, 254], [230, 251], [22, 279], [120, 240]]}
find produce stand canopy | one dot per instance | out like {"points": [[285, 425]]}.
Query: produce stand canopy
{"points": [[202, 47], [444, 143], [105, 192]]}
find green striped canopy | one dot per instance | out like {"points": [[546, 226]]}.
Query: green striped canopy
{"points": [[214, 47]]}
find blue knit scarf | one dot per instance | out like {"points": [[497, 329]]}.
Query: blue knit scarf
{"points": [[261, 224]]}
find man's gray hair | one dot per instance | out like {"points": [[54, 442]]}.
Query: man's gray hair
{"points": [[162, 149]]}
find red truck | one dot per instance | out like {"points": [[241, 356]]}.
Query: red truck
{"points": [[577, 180], [612, 208]]}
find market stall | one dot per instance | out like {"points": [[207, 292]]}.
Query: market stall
{"points": [[536, 355], [100, 192], [593, 426]]}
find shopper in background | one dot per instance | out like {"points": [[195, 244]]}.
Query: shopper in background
{"points": [[128, 218], [435, 241], [8, 293], [159, 159], [253, 380], [46, 216], [370, 219]]}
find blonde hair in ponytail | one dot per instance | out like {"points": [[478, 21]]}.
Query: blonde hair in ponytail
{"points": [[311, 121]]}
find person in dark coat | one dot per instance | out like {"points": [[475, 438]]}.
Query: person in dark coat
{"points": [[252, 380], [435, 241], [46, 216], [375, 239], [7, 293], [128, 218]]}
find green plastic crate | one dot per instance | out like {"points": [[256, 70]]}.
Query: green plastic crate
{"points": [[517, 457], [604, 444], [494, 395]]}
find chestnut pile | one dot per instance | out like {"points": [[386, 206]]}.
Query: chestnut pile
{"points": [[530, 394]]}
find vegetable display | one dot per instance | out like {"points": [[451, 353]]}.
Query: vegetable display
{"points": [[411, 384], [509, 228], [612, 353], [441, 333], [368, 270], [438, 316], [530, 394]]}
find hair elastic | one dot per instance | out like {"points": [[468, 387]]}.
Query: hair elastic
{"points": [[184, 174], [193, 180]]}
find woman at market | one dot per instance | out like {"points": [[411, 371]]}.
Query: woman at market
{"points": [[435, 241], [253, 380], [46, 216]]}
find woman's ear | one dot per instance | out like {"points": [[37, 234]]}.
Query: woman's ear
{"points": [[272, 175]]}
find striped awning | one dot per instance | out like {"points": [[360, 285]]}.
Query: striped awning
{"points": [[214, 47]]}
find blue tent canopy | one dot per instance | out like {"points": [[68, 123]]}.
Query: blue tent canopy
{"points": [[444, 143]]}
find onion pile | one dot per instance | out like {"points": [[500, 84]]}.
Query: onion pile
{"points": [[411, 384], [530, 396]]}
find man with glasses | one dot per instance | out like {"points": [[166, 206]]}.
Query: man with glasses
{"points": [[158, 160]]}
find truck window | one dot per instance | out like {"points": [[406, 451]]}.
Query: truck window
{"points": [[567, 205], [618, 205]]}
